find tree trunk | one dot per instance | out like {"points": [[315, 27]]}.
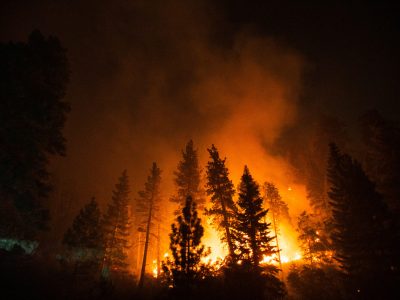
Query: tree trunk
{"points": [[227, 232], [146, 246], [277, 240]]}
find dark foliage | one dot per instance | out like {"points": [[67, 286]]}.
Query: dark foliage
{"points": [[382, 156], [246, 281], [188, 179], [315, 283], [313, 240], [362, 238], [86, 230], [251, 233], [221, 190], [185, 271], [33, 79], [306, 149], [116, 229], [84, 240]]}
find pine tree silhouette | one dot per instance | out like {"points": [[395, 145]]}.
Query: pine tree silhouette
{"points": [[187, 250], [34, 77], [86, 231], [148, 207], [251, 232], [116, 229], [221, 190], [360, 237], [188, 179]]}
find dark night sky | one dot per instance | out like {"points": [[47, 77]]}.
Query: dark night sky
{"points": [[140, 67], [353, 50]]}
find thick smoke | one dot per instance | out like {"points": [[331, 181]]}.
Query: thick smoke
{"points": [[147, 76]]}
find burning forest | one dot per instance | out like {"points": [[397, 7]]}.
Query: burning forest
{"points": [[199, 150]]}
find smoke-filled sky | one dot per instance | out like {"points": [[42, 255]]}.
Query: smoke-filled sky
{"points": [[147, 76]]}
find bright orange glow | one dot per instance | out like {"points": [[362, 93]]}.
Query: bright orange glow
{"points": [[290, 250], [213, 241], [155, 269], [287, 242]]}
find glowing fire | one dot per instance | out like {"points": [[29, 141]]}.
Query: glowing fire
{"points": [[287, 242], [155, 269], [287, 236], [213, 241]]}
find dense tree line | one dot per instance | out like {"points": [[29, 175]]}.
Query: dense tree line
{"points": [[349, 238]]}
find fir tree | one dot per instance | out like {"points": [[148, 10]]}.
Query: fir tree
{"points": [[33, 81], [277, 207], [188, 179], [116, 228], [86, 231], [221, 190], [312, 239], [186, 247], [148, 202], [360, 239], [251, 232], [381, 156], [84, 240], [248, 279], [306, 148], [278, 210]]}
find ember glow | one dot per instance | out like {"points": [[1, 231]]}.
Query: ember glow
{"points": [[287, 236]]}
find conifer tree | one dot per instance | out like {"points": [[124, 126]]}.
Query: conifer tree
{"points": [[116, 228], [84, 240], [312, 238], [86, 231], [381, 156], [360, 239], [221, 190], [251, 232], [147, 207], [276, 206], [306, 149], [33, 111], [278, 211], [248, 279], [186, 247], [188, 179]]}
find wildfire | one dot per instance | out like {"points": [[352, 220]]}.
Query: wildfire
{"points": [[155, 269], [212, 240], [274, 259], [289, 250], [217, 250]]}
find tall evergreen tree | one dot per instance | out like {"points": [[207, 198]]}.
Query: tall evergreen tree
{"points": [[116, 228], [276, 205], [86, 230], [148, 206], [250, 231], [360, 237], [188, 179], [381, 156], [186, 247], [278, 211], [312, 239], [84, 241], [33, 80], [306, 149], [248, 279], [221, 190]]}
